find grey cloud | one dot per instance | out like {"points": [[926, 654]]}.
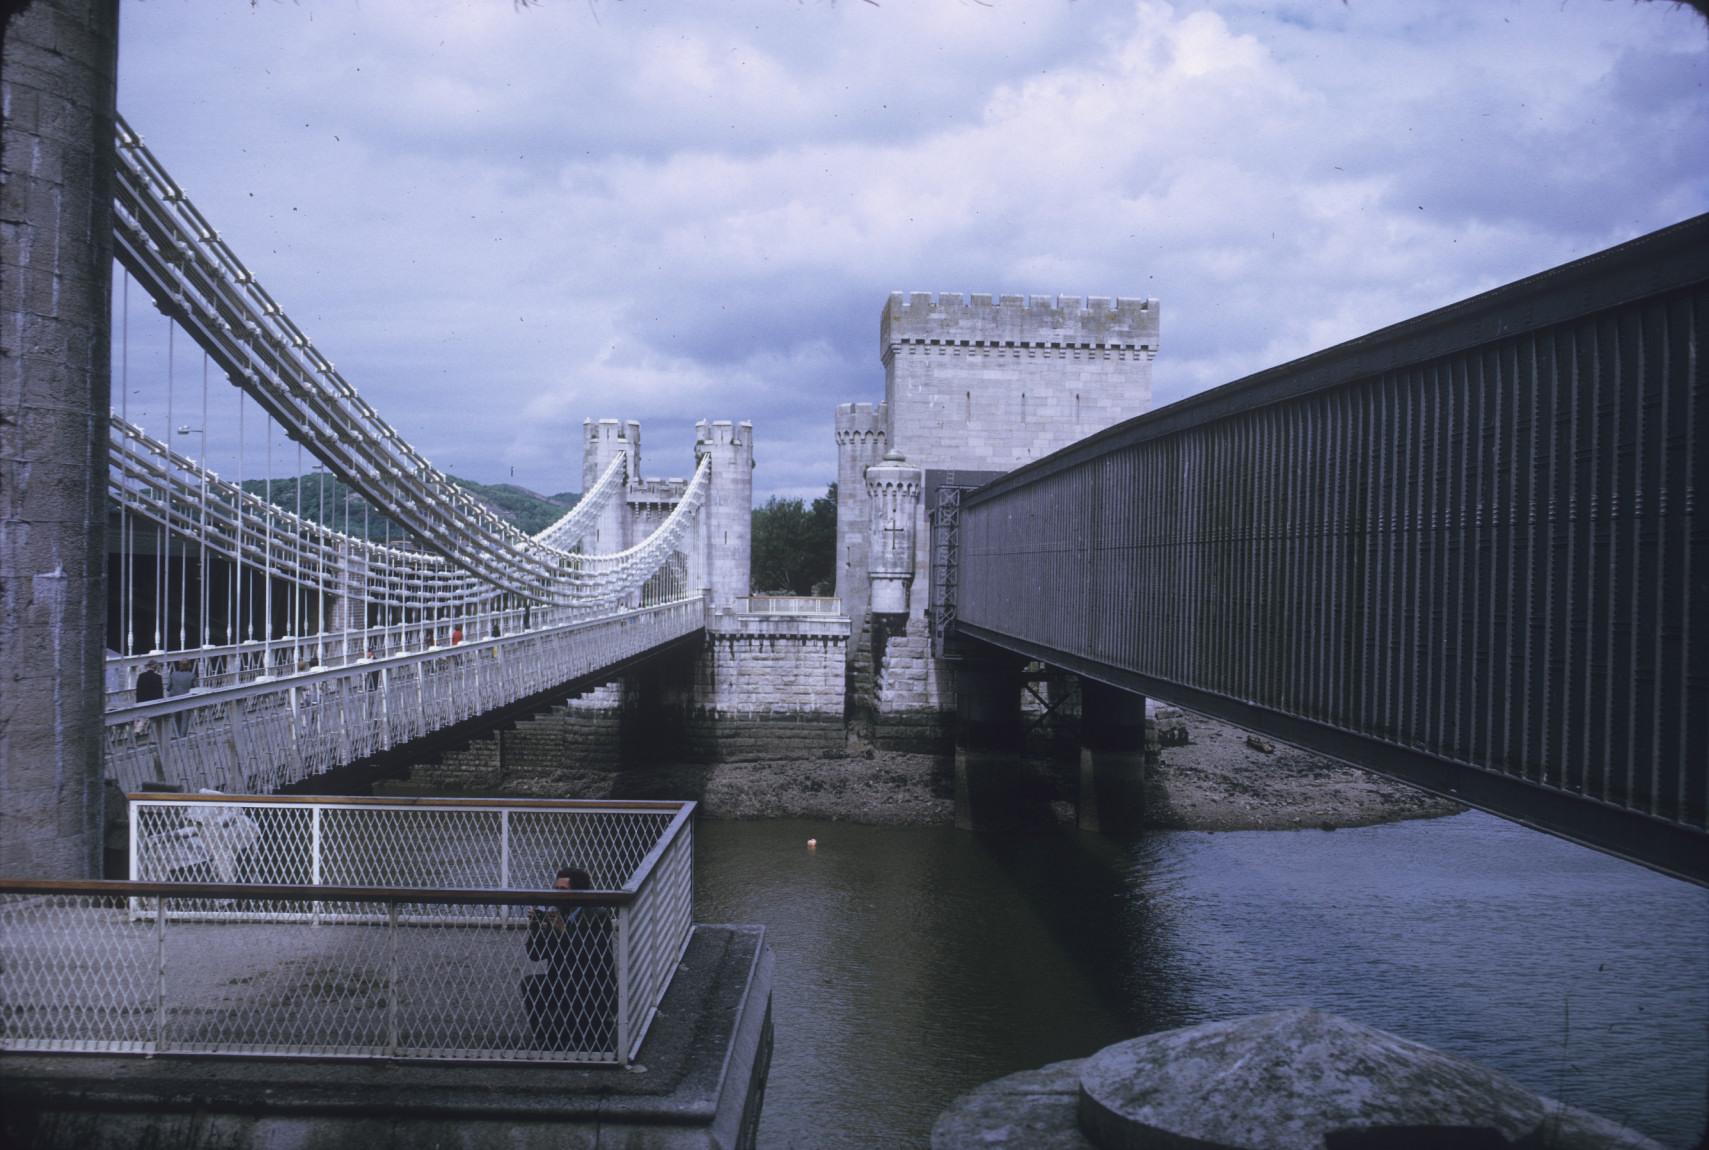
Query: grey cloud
{"points": [[498, 223]]}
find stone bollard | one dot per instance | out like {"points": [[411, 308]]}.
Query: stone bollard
{"points": [[1295, 1080]]}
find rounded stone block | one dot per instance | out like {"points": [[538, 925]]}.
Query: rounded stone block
{"points": [[1304, 1080]]}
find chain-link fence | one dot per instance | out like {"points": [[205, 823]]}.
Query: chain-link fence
{"points": [[381, 930]]}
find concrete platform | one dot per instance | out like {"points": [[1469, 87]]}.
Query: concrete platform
{"points": [[699, 1082]]}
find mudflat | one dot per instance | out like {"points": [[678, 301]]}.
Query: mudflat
{"points": [[1218, 780], [1221, 782]]}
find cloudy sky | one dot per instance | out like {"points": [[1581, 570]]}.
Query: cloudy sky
{"points": [[499, 220]]}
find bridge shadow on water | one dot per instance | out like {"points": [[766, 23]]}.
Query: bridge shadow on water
{"points": [[1080, 888]]}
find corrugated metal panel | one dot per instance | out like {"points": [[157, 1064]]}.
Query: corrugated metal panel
{"points": [[1488, 552]]}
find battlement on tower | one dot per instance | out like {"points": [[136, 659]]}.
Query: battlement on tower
{"points": [[611, 430], [724, 432], [1091, 323], [604, 438], [857, 422]]}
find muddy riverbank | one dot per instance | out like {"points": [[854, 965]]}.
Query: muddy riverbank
{"points": [[1217, 781]]}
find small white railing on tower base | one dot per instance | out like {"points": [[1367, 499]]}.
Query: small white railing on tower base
{"points": [[789, 605], [409, 967]]}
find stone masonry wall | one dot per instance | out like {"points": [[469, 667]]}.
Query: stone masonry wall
{"points": [[913, 693], [770, 687], [58, 65], [762, 687], [536, 756]]}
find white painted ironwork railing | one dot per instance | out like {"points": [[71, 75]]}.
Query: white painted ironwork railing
{"points": [[264, 734], [405, 971], [789, 605]]}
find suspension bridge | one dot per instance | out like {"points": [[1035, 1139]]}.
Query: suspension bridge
{"points": [[172, 623], [311, 647], [1466, 551]]}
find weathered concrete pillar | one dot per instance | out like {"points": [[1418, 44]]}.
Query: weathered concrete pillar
{"points": [[1112, 758], [58, 63], [988, 743]]}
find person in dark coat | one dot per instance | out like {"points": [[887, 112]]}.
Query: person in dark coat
{"points": [[573, 1004], [149, 685]]}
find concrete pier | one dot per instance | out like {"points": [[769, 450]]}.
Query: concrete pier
{"points": [[1112, 758], [56, 251], [988, 743], [699, 1082]]}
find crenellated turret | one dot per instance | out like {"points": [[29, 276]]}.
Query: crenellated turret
{"points": [[989, 385], [602, 440], [729, 514], [862, 436], [974, 386], [893, 498]]}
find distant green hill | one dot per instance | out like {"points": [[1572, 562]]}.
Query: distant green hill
{"points": [[527, 509], [326, 499]]}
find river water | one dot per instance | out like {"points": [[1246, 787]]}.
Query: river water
{"points": [[915, 963]]}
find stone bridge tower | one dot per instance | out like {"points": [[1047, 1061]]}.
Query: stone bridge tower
{"points": [[729, 515], [602, 439], [973, 386]]}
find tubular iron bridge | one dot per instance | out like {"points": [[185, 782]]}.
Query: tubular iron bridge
{"points": [[1468, 551]]}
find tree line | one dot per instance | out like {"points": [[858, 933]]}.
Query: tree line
{"points": [[795, 546]]}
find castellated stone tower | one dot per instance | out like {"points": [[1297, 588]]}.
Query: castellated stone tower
{"points": [[601, 440], [969, 383], [729, 515], [974, 385], [860, 444]]}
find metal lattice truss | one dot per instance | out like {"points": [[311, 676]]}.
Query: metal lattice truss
{"points": [[169, 246]]}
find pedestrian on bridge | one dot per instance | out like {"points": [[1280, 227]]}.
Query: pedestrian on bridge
{"points": [[149, 686], [179, 680]]}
